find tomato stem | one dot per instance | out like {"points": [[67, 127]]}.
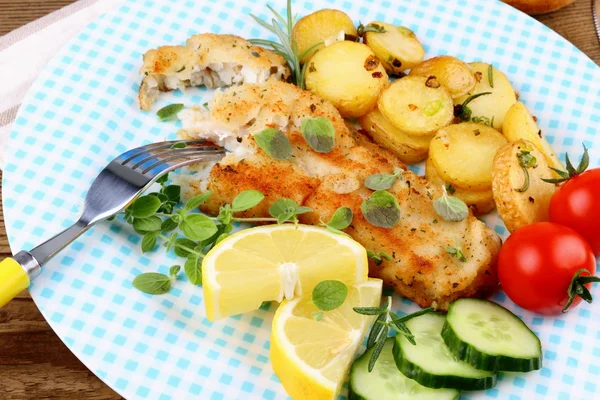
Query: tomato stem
{"points": [[577, 287]]}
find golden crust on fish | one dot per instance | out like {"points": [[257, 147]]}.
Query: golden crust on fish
{"points": [[207, 59], [421, 268]]}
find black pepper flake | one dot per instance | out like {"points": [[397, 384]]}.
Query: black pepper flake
{"points": [[255, 54], [477, 132], [313, 108], [311, 67], [413, 229], [377, 74], [540, 133], [454, 285], [531, 200], [239, 139], [397, 63]]}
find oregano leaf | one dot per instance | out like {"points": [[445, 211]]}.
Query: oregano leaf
{"points": [[319, 133], [274, 143], [152, 283]]}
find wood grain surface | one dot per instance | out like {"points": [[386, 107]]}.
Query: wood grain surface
{"points": [[34, 363]]}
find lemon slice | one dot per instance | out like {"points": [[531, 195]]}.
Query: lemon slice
{"points": [[276, 262], [312, 358]]}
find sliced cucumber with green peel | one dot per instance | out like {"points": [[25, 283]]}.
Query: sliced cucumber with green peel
{"points": [[386, 382], [431, 363], [488, 336]]}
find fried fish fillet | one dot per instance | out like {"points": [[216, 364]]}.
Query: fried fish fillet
{"points": [[421, 268], [207, 59]]}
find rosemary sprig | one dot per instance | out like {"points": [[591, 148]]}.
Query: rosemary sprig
{"points": [[463, 112], [386, 320], [526, 160], [286, 47]]}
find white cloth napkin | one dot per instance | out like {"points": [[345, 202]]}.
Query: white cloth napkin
{"points": [[25, 51]]}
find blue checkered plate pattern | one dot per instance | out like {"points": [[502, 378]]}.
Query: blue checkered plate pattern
{"points": [[82, 112]]}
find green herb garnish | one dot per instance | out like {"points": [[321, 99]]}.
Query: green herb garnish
{"points": [[491, 75], [319, 134], [341, 219], [450, 188], [153, 283], [456, 252], [526, 160], [571, 171], [450, 208], [287, 210], [381, 209], [386, 320], [362, 29], [329, 295], [170, 111], [463, 112], [378, 257], [275, 143], [433, 107], [383, 181]]}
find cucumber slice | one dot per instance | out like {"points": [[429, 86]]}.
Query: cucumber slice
{"points": [[386, 382], [488, 336], [431, 363]]}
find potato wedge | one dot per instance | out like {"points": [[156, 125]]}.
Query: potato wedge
{"points": [[348, 75], [410, 149], [416, 105], [491, 108], [451, 72], [519, 208], [520, 124], [321, 26], [398, 47], [463, 154], [480, 202]]}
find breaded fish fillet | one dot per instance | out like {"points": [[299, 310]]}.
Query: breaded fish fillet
{"points": [[207, 59], [421, 268]]}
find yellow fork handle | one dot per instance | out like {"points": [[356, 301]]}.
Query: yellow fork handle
{"points": [[13, 280]]}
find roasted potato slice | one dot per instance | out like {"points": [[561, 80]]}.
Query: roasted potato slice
{"points": [[480, 202], [322, 26], [451, 72], [396, 46], [417, 105], [488, 109], [348, 75], [522, 198], [520, 124], [463, 154], [410, 149]]}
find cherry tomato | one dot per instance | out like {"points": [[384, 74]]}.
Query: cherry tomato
{"points": [[538, 263], [576, 204]]}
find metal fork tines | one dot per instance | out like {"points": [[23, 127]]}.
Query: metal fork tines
{"points": [[123, 180]]}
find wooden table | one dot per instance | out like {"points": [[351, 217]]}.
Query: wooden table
{"points": [[34, 363]]}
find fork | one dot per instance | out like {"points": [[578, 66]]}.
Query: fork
{"points": [[115, 188]]}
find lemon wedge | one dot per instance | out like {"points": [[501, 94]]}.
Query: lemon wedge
{"points": [[312, 358], [276, 262]]}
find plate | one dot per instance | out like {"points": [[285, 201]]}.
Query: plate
{"points": [[83, 111]]}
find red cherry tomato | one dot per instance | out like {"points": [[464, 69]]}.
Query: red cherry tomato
{"points": [[538, 263], [576, 204]]}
